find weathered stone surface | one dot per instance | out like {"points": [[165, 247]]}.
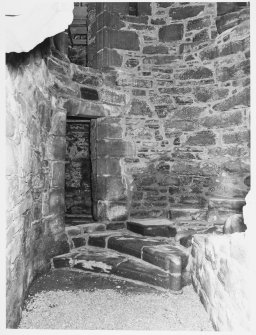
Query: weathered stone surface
{"points": [[113, 97], [132, 62], [199, 73], [158, 21], [202, 138], [109, 166], [89, 93], [135, 269], [202, 36], [204, 94], [158, 49], [131, 245], [160, 60], [118, 39], [240, 99], [233, 72], [222, 121], [110, 188], [115, 148], [198, 24], [140, 108], [78, 241], [170, 33], [108, 58], [236, 137], [181, 13], [109, 128], [87, 79]]}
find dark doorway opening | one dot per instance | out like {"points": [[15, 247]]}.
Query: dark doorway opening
{"points": [[78, 173]]}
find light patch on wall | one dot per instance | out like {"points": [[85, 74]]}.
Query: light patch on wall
{"points": [[28, 23]]}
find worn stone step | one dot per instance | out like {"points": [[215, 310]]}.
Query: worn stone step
{"points": [[152, 227], [187, 213], [112, 262], [171, 258], [133, 245]]}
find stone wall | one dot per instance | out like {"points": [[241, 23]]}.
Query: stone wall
{"points": [[35, 139], [185, 70], [88, 93], [220, 275]]}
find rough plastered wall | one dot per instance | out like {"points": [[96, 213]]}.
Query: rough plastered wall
{"points": [[220, 275], [35, 140], [185, 70]]}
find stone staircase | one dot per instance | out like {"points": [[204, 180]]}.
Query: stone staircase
{"points": [[155, 251]]}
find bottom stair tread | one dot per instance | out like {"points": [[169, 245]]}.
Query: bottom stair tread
{"points": [[112, 262]]}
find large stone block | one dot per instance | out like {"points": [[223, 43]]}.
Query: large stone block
{"points": [[202, 138], [172, 32], [115, 148], [58, 123], [109, 20], [155, 49], [222, 120], [196, 73], [209, 93], [109, 58], [109, 166], [112, 211], [56, 202], [111, 188], [117, 39], [58, 174], [181, 13], [109, 128], [180, 125], [56, 148], [83, 108], [140, 108], [89, 93], [237, 137]]}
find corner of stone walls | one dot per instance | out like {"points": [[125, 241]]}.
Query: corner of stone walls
{"points": [[220, 276]]}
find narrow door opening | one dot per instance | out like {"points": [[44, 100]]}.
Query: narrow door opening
{"points": [[78, 181]]}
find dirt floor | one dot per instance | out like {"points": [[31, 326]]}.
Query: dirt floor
{"points": [[73, 299]]}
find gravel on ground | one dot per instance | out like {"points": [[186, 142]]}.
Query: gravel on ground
{"points": [[73, 299]]}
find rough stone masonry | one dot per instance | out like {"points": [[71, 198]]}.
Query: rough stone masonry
{"points": [[167, 92]]}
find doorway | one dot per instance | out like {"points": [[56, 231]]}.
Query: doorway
{"points": [[78, 172]]}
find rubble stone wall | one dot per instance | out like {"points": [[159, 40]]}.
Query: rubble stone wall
{"points": [[220, 275], [185, 70]]}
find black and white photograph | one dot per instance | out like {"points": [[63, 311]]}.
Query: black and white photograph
{"points": [[128, 189]]}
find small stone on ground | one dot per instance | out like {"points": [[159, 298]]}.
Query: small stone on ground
{"points": [[71, 299]]}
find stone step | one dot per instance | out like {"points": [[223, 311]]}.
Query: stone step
{"points": [[112, 262], [152, 227], [171, 258], [187, 213], [133, 245], [77, 219]]}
